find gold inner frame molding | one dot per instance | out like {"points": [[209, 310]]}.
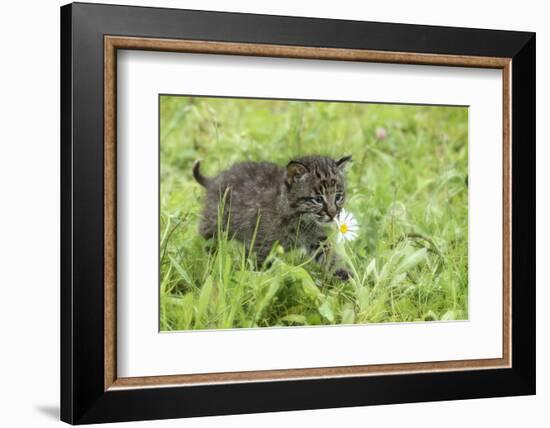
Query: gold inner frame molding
{"points": [[113, 43]]}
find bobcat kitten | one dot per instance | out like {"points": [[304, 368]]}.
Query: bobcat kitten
{"points": [[266, 203]]}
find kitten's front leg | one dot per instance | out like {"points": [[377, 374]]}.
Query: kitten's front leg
{"points": [[343, 273], [327, 257]]}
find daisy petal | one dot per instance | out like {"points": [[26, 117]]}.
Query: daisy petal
{"points": [[352, 223], [351, 236]]}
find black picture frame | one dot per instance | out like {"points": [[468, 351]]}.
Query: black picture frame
{"points": [[83, 398]]}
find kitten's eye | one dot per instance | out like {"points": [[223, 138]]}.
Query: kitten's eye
{"points": [[339, 197], [318, 199]]}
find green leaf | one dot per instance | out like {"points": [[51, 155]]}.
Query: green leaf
{"points": [[187, 310], [326, 311], [314, 319], [180, 270], [204, 298], [371, 269], [227, 269], [348, 316], [363, 297], [430, 316], [295, 319], [449, 315], [269, 295], [412, 260], [308, 285], [398, 279]]}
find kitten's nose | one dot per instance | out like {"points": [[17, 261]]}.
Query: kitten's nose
{"points": [[331, 211]]}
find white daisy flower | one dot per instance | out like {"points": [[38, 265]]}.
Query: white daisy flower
{"points": [[347, 226]]}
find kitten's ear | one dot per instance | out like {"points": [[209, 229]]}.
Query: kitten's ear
{"points": [[294, 171], [343, 162]]}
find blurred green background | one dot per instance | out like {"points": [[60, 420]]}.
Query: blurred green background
{"points": [[407, 188]]}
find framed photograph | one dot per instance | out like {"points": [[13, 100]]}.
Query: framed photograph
{"points": [[265, 213]]}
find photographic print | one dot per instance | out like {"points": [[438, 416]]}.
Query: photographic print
{"points": [[286, 213]]}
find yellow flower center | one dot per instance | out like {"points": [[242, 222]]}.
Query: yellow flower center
{"points": [[343, 228]]}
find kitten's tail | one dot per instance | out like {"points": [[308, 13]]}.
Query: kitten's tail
{"points": [[201, 179]]}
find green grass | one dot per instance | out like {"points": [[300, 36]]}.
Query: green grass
{"points": [[408, 191]]}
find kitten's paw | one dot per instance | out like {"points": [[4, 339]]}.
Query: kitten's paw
{"points": [[343, 274]]}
